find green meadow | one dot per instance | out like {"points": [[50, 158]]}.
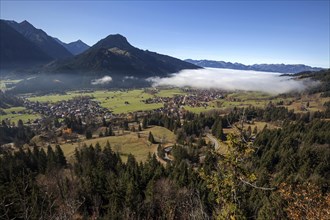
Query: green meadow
{"points": [[14, 114]]}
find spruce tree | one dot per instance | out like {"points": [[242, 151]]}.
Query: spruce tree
{"points": [[89, 134], [151, 138], [60, 158]]}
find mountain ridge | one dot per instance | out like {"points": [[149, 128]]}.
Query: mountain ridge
{"points": [[280, 68], [40, 38], [115, 55], [18, 51]]}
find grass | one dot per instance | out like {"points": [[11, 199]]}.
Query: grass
{"points": [[126, 144], [250, 95], [53, 98], [315, 103], [18, 113], [161, 133]]}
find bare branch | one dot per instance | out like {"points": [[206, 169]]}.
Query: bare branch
{"points": [[254, 186]]}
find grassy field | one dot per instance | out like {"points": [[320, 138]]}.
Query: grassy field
{"points": [[250, 95], [315, 103], [129, 143], [18, 113], [54, 98], [117, 101]]}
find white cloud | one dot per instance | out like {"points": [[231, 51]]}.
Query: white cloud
{"points": [[102, 81], [228, 79]]}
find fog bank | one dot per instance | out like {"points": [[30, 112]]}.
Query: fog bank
{"points": [[228, 79], [102, 81]]}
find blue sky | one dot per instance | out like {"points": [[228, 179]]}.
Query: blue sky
{"points": [[295, 32]]}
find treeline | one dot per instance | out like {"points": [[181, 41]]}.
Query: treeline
{"points": [[24, 192], [296, 161], [323, 77], [39, 185], [8, 100], [18, 135], [296, 153]]}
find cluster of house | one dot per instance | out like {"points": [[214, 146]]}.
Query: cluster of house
{"points": [[194, 98], [81, 106]]}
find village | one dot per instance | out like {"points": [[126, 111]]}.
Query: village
{"points": [[193, 98], [81, 106]]}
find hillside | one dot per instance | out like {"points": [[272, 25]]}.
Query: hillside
{"points": [[115, 55], [41, 39], [280, 68], [17, 51], [323, 77]]}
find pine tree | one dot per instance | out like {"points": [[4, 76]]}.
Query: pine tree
{"points": [[255, 130], [144, 123], [151, 138], [60, 158], [51, 159], [217, 130], [42, 161], [89, 134], [110, 131]]}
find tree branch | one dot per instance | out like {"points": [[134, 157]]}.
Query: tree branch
{"points": [[257, 187]]}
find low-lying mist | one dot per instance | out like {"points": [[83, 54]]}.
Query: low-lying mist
{"points": [[228, 79], [102, 81]]}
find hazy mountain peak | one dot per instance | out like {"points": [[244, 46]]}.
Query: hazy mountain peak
{"points": [[28, 26], [25, 22]]}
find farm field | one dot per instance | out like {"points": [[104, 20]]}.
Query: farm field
{"points": [[126, 144], [14, 114]]}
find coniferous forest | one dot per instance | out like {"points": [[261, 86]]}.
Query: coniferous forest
{"points": [[263, 176]]}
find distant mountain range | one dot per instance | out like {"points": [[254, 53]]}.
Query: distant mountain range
{"points": [[76, 47], [25, 44], [280, 68]]}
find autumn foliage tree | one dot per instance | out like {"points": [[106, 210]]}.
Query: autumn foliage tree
{"points": [[305, 201]]}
